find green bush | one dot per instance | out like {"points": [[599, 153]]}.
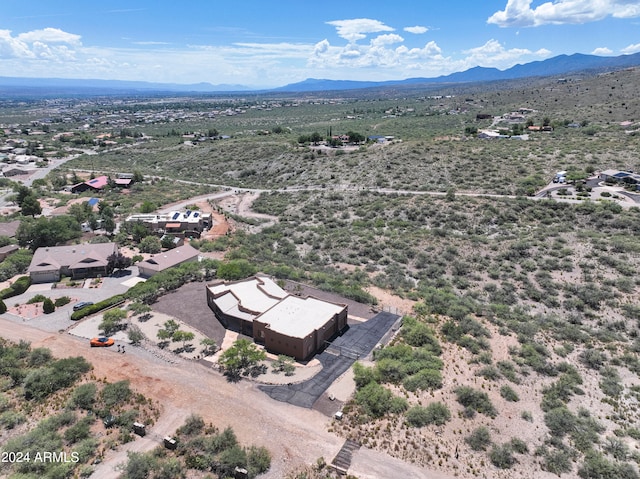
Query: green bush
{"points": [[19, 286], [435, 413], [376, 400], [560, 421], [502, 457], [47, 306], [479, 439], [475, 400], [61, 301], [84, 396], [597, 466], [94, 308], [509, 394], [42, 382]]}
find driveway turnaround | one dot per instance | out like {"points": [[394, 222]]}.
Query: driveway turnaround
{"points": [[357, 342]]}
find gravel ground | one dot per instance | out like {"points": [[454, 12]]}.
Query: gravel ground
{"points": [[189, 304]]}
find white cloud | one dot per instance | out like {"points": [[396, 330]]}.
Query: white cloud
{"points": [[519, 12], [357, 28], [494, 54], [50, 35], [49, 44], [631, 49], [602, 51], [11, 47], [417, 29], [388, 39]]}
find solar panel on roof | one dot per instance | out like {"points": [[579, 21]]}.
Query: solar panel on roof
{"points": [[175, 216], [95, 180]]}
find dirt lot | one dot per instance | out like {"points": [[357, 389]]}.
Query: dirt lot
{"points": [[295, 436]]}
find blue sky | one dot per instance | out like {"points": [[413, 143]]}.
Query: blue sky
{"points": [[261, 43]]}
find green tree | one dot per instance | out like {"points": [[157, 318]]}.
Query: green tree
{"points": [[147, 207], [117, 261], [38, 232], [47, 306], [111, 321], [135, 335], [241, 359], [31, 206], [150, 244], [236, 269], [210, 346], [182, 336]]}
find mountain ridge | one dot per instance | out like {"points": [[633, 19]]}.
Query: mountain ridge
{"points": [[558, 65]]}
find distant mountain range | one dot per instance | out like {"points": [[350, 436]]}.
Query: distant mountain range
{"points": [[32, 85], [560, 65]]}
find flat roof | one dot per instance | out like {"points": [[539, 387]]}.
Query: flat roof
{"points": [[298, 317], [256, 295]]}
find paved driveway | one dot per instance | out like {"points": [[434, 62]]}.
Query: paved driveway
{"points": [[357, 342], [60, 319]]}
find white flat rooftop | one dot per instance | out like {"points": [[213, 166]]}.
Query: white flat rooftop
{"points": [[298, 317], [256, 295]]}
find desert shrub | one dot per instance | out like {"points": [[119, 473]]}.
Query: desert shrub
{"points": [[611, 384], [509, 394], [61, 301], [79, 431], [593, 358], [617, 448], [39, 357], [560, 421], [11, 419], [116, 393], [377, 401], [194, 424], [489, 372], [586, 432], [479, 439], [519, 446], [42, 382], [557, 461], [501, 456], [419, 334], [258, 460], [475, 400], [363, 375], [424, 380], [597, 466], [135, 334], [435, 413], [84, 396]]}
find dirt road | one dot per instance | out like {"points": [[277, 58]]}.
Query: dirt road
{"points": [[293, 435]]}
